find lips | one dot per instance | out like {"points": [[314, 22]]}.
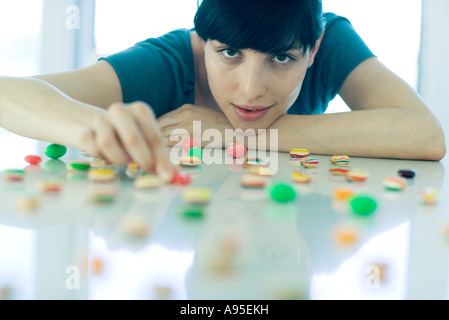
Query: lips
{"points": [[250, 113]]}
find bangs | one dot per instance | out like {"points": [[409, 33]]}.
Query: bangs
{"points": [[268, 26]]}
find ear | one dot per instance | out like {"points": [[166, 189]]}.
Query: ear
{"points": [[314, 50]]}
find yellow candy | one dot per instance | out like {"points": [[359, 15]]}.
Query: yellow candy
{"points": [[101, 174], [260, 170], [197, 195], [148, 181], [429, 196], [299, 153], [300, 177]]}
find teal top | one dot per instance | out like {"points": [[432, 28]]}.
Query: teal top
{"points": [[160, 71]]}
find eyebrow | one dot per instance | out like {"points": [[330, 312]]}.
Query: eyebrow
{"points": [[300, 51]]}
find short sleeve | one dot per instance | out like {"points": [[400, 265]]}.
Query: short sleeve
{"points": [[340, 52], [158, 71]]}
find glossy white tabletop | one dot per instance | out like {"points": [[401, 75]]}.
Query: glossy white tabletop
{"points": [[245, 247]]}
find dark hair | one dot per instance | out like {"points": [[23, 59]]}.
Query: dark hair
{"points": [[268, 26]]}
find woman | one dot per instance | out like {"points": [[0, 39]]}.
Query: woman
{"points": [[246, 65]]}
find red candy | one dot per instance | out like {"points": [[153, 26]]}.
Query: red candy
{"points": [[188, 144], [33, 160], [182, 179], [236, 150]]}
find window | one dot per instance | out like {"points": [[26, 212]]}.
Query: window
{"points": [[391, 29], [120, 24], [20, 22]]}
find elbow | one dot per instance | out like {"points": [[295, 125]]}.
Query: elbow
{"points": [[434, 146]]}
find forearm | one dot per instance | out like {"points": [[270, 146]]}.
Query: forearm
{"points": [[35, 109], [381, 133]]}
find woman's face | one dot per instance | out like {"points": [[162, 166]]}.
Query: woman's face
{"points": [[254, 89]]}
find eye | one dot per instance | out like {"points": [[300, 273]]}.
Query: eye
{"points": [[282, 59], [230, 53]]}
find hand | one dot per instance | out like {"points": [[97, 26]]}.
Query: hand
{"points": [[129, 132], [183, 118]]}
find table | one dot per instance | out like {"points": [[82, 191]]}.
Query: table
{"points": [[245, 247]]}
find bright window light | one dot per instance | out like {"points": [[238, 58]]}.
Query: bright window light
{"points": [[390, 28], [20, 22], [120, 24]]}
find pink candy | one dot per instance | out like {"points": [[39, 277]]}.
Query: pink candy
{"points": [[188, 144], [236, 150]]}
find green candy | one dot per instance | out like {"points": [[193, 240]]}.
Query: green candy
{"points": [[363, 205], [192, 211], [80, 166], [196, 152], [282, 192], [55, 151]]}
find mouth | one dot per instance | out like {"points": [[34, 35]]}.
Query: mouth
{"points": [[251, 113]]}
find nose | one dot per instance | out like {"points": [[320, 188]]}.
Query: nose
{"points": [[252, 79]]}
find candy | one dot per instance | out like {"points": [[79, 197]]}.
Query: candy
{"points": [[196, 152], [55, 151], [192, 210], [134, 225], [342, 160], [196, 195], [100, 163], [342, 193], [27, 202], [300, 177], [345, 235], [249, 162], [407, 173], [133, 170], [363, 205], [86, 154], [148, 181], [97, 266], [394, 183], [338, 170], [181, 179], [99, 195], [49, 185], [78, 165], [13, 175], [310, 162], [282, 192], [253, 181], [189, 161], [260, 170], [101, 175], [429, 195], [299, 153], [357, 175], [33, 160], [188, 144], [236, 150]]}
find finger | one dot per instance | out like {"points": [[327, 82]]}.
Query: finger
{"points": [[167, 121], [131, 136], [147, 122], [108, 146]]}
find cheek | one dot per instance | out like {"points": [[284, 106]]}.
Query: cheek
{"points": [[218, 79]]}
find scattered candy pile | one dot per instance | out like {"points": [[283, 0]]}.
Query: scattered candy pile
{"points": [[195, 200], [256, 175]]}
